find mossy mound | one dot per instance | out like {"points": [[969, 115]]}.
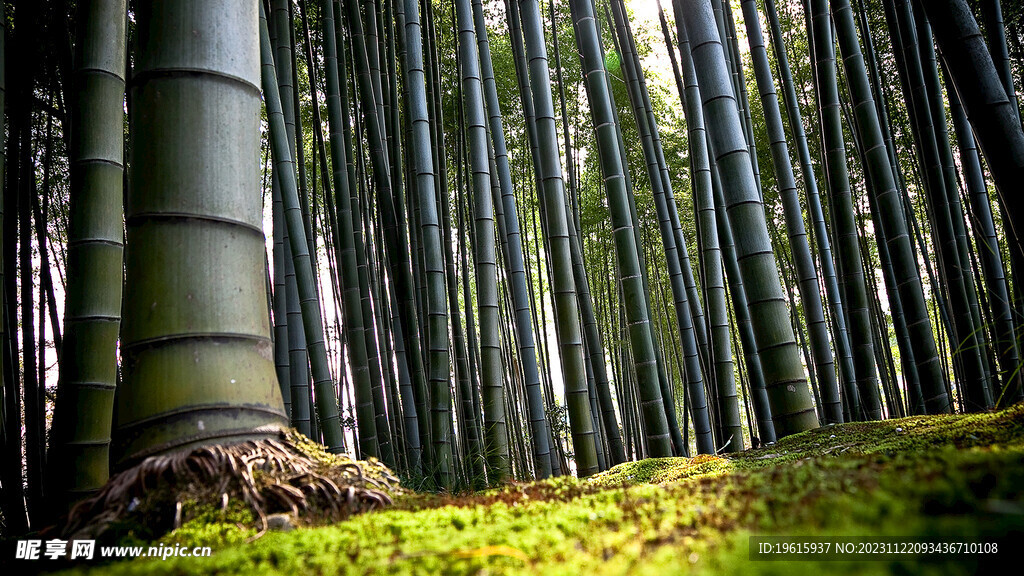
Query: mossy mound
{"points": [[661, 470], [916, 433], [945, 479], [219, 490], [345, 470]]}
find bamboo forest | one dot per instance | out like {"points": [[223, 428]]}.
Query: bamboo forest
{"points": [[511, 286]]}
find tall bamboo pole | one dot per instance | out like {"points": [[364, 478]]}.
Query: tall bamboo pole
{"points": [[786, 384], [655, 422], [312, 322], [840, 338], [807, 276], [539, 435], [80, 444], [553, 196]]}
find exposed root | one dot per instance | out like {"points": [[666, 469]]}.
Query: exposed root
{"points": [[285, 474]]}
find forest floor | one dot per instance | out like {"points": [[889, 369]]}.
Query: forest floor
{"points": [[950, 479]]}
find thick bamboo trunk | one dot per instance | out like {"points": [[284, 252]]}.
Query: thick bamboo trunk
{"points": [[198, 366]]}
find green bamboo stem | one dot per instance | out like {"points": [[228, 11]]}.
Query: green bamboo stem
{"points": [[833, 294], [421, 164], [989, 255], [992, 114], [972, 349], [496, 447], [966, 351], [810, 294], [312, 322], [716, 241], [395, 235], [841, 200], [550, 174], [195, 337], [786, 385], [80, 444], [348, 221], [630, 275], [512, 237]]}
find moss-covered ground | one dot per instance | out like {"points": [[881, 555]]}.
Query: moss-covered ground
{"points": [[942, 479]]}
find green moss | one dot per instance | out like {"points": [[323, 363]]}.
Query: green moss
{"points": [[216, 535], [661, 470], [954, 478], [370, 469], [214, 527]]}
